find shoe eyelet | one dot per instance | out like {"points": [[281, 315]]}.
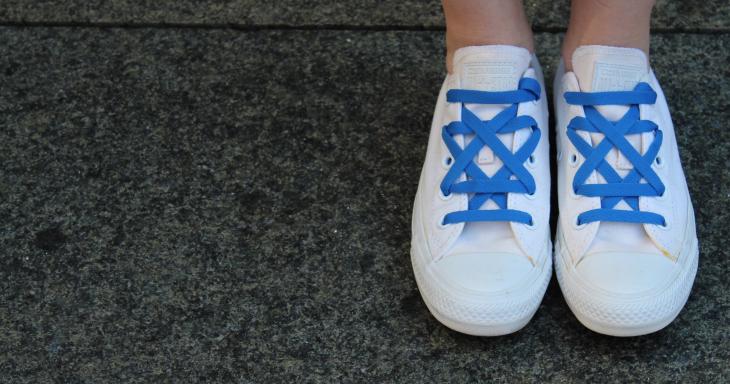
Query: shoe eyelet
{"points": [[659, 162], [574, 194], [440, 224], [573, 159], [664, 227], [532, 226], [531, 196], [578, 226], [560, 155], [447, 161], [531, 161], [444, 197]]}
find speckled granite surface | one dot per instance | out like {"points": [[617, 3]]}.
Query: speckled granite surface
{"points": [[226, 206], [669, 14]]}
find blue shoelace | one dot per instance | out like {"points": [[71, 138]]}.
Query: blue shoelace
{"points": [[616, 188], [477, 183]]}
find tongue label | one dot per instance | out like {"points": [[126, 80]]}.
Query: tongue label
{"points": [[615, 77], [490, 76]]}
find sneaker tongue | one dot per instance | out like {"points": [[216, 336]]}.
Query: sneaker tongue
{"points": [[490, 68], [601, 69]]}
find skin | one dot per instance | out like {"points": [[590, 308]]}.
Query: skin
{"points": [[485, 22], [619, 23]]}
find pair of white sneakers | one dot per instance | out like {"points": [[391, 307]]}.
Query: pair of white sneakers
{"points": [[625, 247]]}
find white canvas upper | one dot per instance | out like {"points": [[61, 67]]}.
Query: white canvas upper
{"points": [[484, 278], [604, 265]]}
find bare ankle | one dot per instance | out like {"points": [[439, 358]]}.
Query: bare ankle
{"points": [[614, 23], [485, 22]]}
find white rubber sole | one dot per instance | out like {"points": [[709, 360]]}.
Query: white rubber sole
{"points": [[493, 315], [618, 316]]}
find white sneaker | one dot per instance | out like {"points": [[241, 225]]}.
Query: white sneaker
{"points": [[626, 247], [481, 245]]}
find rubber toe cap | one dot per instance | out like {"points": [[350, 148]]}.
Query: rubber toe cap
{"points": [[483, 272], [626, 273]]}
